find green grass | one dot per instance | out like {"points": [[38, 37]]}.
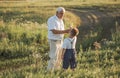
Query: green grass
{"points": [[24, 45], [89, 65]]}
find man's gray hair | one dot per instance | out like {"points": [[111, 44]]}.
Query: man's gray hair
{"points": [[59, 9]]}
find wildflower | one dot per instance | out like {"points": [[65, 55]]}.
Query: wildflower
{"points": [[97, 45]]}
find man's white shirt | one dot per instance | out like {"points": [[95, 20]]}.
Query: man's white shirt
{"points": [[55, 23]]}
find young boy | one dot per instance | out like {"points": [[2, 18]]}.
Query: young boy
{"points": [[68, 52]]}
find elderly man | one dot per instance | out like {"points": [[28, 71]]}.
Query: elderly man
{"points": [[56, 33]]}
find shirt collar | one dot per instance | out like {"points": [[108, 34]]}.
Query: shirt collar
{"points": [[57, 18]]}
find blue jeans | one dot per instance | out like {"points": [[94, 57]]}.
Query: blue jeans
{"points": [[69, 59]]}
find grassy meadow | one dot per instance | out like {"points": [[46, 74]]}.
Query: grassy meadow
{"points": [[24, 45]]}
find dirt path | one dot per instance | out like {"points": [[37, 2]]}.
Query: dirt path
{"points": [[92, 18]]}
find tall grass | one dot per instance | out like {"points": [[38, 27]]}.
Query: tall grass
{"points": [[22, 41], [28, 58], [91, 64], [24, 46]]}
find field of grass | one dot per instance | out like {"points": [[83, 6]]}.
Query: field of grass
{"points": [[24, 45]]}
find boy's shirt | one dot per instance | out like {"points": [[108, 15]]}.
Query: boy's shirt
{"points": [[69, 43]]}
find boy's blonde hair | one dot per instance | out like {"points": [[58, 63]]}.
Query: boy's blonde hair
{"points": [[74, 32]]}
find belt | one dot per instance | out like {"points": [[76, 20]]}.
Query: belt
{"points": [[56, 40]]}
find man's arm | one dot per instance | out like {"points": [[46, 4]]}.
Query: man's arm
{"points": [[60, 31]]}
